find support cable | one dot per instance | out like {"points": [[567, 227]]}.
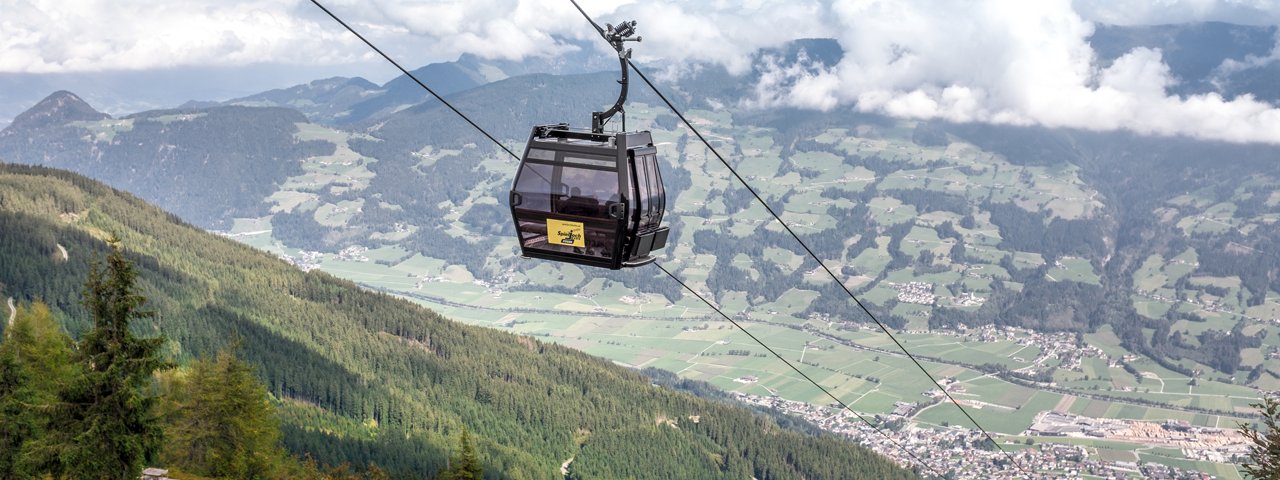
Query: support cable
{"points": [[802, 374], [415, 79], [787, 227]]}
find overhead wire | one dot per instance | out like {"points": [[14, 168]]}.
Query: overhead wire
{"points": [[824, 390], [802, 243], [415, 79], [673, 277]]}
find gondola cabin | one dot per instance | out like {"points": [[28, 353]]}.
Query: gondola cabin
{"points": [[588, 198]]}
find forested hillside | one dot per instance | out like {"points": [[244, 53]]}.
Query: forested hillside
{"points": [[363, 377]]}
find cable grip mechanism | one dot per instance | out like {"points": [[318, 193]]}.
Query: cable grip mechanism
{"points": [[616, 36]]}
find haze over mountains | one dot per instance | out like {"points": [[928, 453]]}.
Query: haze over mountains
{"points": [[1153, 250]]}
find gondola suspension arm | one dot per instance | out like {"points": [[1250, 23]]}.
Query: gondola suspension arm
{"points": [[616, 36]]}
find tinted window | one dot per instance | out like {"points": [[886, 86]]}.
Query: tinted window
{"points": [[642, 185], [534, 185], [658, 196], [659, 191], [586, 191], [590, 160], [600, 239], [541, 154], [649, 187]]}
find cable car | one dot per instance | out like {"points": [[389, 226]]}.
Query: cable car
{"points": [[589, 197]]}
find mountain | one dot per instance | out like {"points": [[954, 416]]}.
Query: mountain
{"points": [[470, 71], [322, 101], [364, 377], [1194, 53], [341, 101], [1258, 80], [401, 92], [57, 109], [120, 92], [207, 165]]}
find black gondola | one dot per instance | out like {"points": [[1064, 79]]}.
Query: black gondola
{"points": [[590, 197]]}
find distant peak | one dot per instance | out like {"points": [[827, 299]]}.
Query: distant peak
{"points": [[64, 100], [62, 94], [332, 83], [57, 109]]}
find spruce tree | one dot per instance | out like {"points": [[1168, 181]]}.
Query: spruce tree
{"points": [[34, 366], [17, 422], [220, 421], [103, 426], [466, 464], [43, 348], [1264, 453]]}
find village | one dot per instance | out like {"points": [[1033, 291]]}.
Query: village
{"points": [[965, 453], [1197, 443]]}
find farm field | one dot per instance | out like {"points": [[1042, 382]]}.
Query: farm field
{"points": [[645, 331]]}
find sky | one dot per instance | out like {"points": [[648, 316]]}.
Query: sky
{"points": [[1000, 61]]}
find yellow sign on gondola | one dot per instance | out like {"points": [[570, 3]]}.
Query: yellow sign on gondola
{"points": [[561, 232]]}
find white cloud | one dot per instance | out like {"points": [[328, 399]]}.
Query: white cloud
{"points": [[502, 29], [44, 36], [723, 32], [1004, 61], [47, 36]]}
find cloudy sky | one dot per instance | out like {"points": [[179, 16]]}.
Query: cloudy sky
{"points": [[1004, 61]]}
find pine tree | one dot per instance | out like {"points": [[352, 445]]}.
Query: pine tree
{"points": [[466, 464], [34, 366], [103, 426], [17, 423], [220, 421], [1264, 454], [42, 347]]}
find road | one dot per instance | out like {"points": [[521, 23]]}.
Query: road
{"points": [[1157, 377], [695, 357]]}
